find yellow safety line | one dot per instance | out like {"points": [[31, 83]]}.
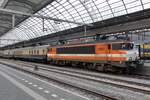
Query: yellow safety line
{"points": [[149, 97]]}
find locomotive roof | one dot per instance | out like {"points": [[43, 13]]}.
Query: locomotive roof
{"points": [[76, 44], [93, 43]]}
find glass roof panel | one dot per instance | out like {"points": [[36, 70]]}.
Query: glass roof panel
{"points": [[83, 11]]}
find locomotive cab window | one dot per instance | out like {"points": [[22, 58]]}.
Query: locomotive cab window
{"points": [[122, 46], [127, 46]]}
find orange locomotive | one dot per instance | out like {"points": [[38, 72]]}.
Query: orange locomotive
{"points": [[103, 55], [99, 55]]}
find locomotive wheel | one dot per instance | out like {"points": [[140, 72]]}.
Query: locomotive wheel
{"points": [[61, 62], [126, 70], [73, 64], [100, 67], [90, 66], [119, 70]]}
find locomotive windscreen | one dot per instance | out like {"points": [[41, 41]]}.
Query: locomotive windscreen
{"points": [[76, 50], [122, 46]]}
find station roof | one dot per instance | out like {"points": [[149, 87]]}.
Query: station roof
{"points": [[82, 11]]}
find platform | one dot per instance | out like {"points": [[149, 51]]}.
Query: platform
{"points": [[15, 85], [145, 70]]}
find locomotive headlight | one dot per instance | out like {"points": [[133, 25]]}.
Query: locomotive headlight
{"points": [[130, 58]]}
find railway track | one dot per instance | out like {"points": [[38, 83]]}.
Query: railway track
{"points": [[86, 72], [136, 86], [115, 81], [105, 97]]}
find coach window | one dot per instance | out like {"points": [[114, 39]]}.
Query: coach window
{"points": [[34, 51], [43, 51], [37, 51], [47, 49]]}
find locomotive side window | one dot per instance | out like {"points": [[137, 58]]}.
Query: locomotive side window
{"points": [[77, 50], [116, 46]]}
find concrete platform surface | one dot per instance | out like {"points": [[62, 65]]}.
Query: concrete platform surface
{"points": [[16, 85]]}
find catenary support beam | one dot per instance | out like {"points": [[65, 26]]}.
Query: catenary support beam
{"points": [[4, 2], [40, 16], [10, 40]]}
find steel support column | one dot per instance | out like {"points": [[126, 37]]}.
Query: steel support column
{"points": [[85, 31], [43, 26], [13, 21]]}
